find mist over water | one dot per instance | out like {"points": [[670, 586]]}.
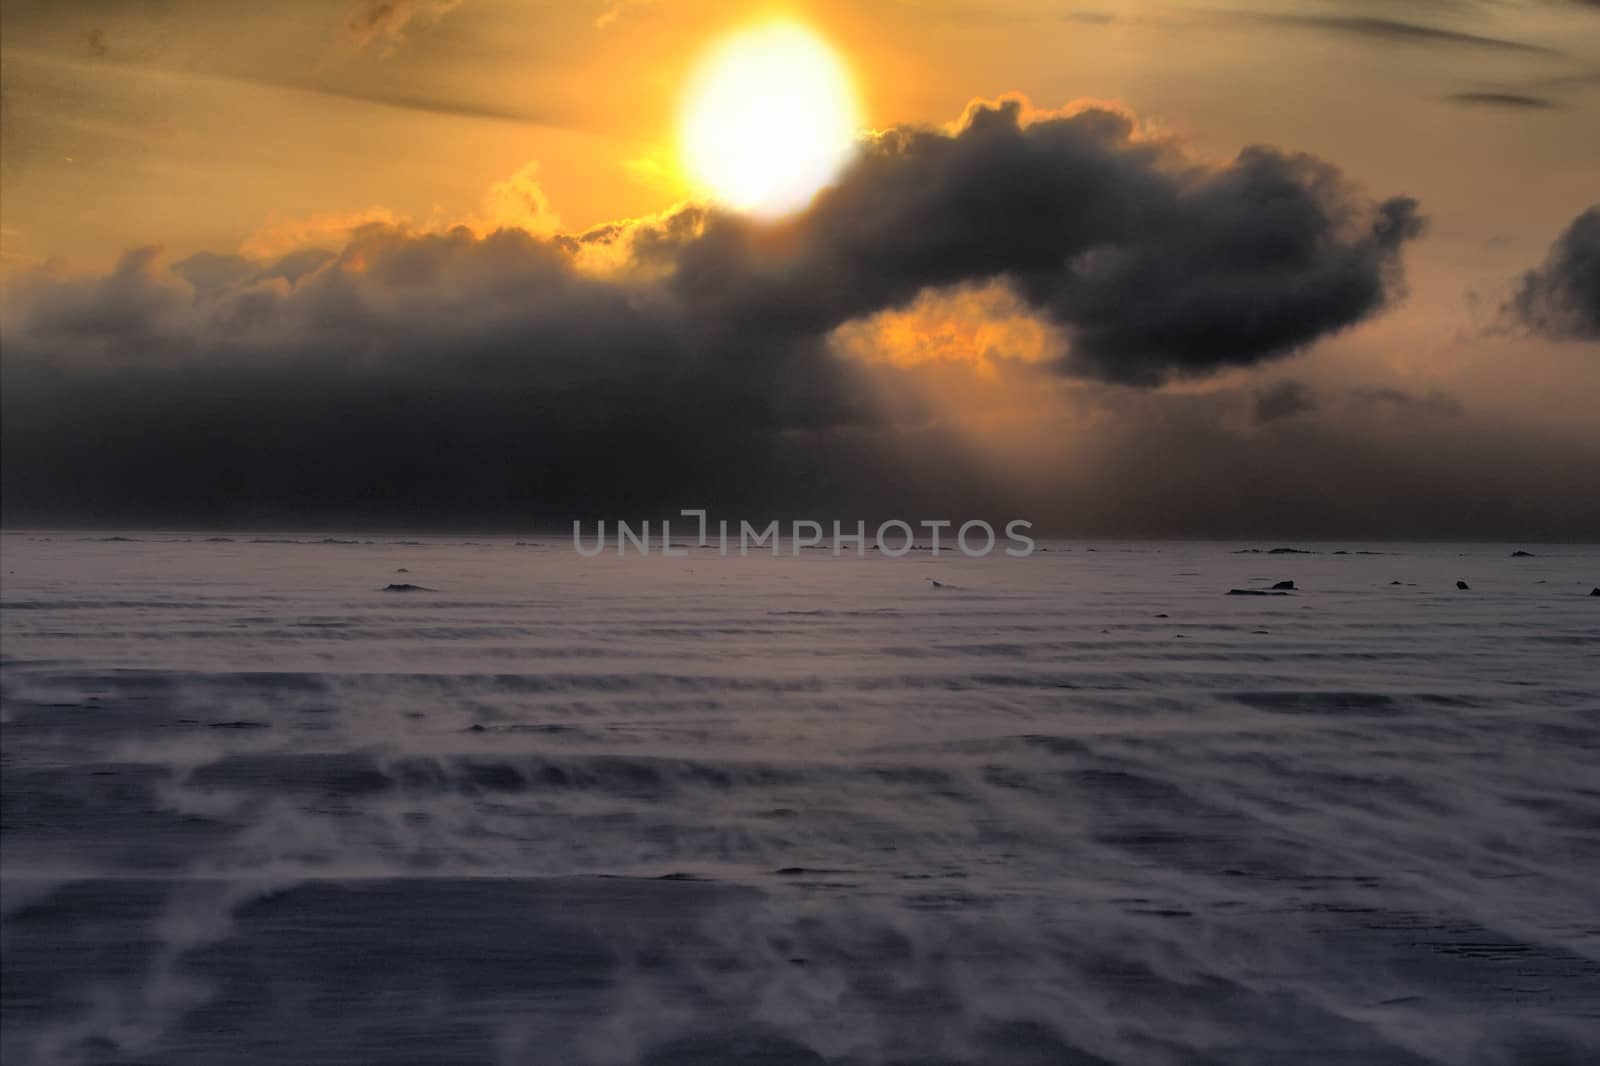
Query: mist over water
{"points": [[1079, 808]]}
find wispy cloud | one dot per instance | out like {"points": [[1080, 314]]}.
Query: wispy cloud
{"points": [[385, 22], [1510, 101], [323, 84], [1395, 31]]}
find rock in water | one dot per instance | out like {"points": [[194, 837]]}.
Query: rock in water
{"points": [[1463, 586], [1254, 592], [406, 587], [1594, 592], [1284, 586], [1520, 554]]}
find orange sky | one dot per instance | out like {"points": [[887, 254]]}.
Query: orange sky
{"points": [[206, 125], [194, 124]]}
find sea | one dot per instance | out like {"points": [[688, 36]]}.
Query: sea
{"points": [[529, 808]]}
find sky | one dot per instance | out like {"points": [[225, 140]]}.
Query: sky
{"points": [[1263, 268]]}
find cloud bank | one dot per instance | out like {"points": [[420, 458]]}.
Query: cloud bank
{"points": [[463, 377]]}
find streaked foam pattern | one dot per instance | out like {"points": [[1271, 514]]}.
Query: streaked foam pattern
{"points": [[1081, 808]]}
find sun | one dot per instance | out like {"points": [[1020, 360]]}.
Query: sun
{"points": [[770, 117]]}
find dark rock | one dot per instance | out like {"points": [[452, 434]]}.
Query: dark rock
{"points": [[1284, 586], [401, 570], [1463, 586], [1594, 592], [407, 587], [1254, 592], [1519, 554]]}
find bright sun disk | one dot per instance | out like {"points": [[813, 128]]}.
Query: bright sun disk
{"points": [[769, 118]]}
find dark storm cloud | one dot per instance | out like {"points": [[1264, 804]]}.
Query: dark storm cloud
{"points": [[1153, 265], [1560, 298], [421, 377]]}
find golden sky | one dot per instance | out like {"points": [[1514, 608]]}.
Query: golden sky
{"points": [[197, 123], [204, 126]]}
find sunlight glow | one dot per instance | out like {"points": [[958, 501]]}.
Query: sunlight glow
{"points": [[769, 118]]}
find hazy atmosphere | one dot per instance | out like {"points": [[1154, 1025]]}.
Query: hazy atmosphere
{"points": [[1140, 269]]}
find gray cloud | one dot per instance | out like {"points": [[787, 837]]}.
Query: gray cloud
{"points": [[1154, 265], [446, 377], [211, 274], [1560, 298]]}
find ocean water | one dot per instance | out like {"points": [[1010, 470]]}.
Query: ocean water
{"points": [[1079, 808]]}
